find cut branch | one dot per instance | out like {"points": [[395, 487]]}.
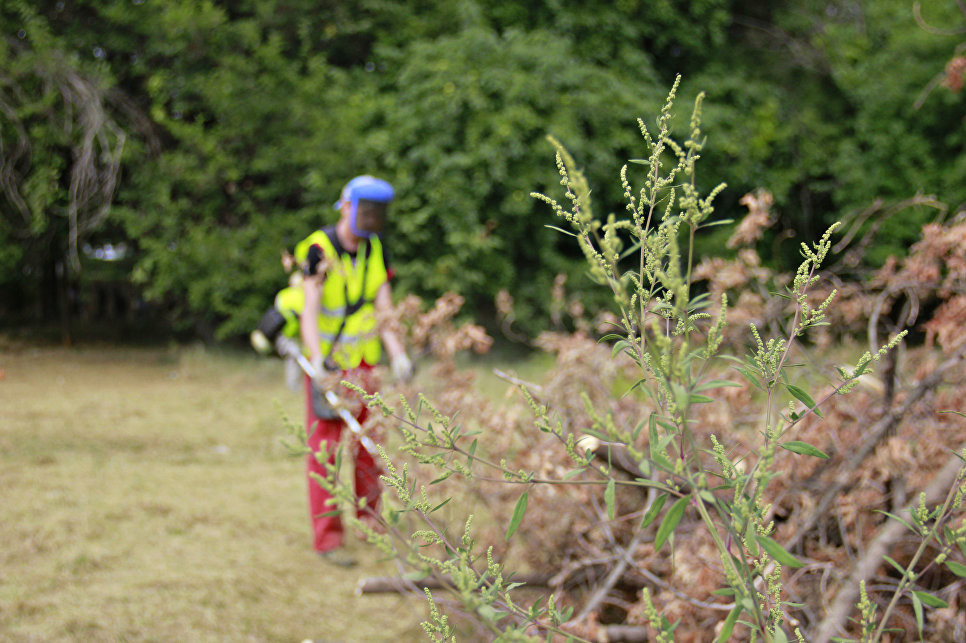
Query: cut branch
{"points": [[871, 560], [879, 431]]}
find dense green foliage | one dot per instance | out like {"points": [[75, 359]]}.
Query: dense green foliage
{"points": [[240, 122]]}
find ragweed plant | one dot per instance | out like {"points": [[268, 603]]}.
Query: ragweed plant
{"points": [[671, 336], [666, 331]]}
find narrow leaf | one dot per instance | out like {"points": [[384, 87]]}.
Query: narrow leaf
{"points": [[518, 512], [777, 552], [899, 519], [442, 477], [729, 625], [471, 453], [711, 224], [440, 505], [751, 377], [654, 510], [670, 522], [566, 232], [957, 568], [715, 384], [804, 448], [609, 338], [900, 568], [804, 398], [930, 600], [609, 498], [917, 608]]}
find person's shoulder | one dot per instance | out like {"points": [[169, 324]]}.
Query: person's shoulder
{"points": [[303, 247]]}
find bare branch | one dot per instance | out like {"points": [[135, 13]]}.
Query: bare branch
{"points": [[876, 434], [871, 560]]}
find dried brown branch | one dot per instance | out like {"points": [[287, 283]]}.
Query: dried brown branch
{"points": [[871, 560], [877, 432], [593, 603]]}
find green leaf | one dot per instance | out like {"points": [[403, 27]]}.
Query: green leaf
{"points": [[724, 591], [751, 376], [489, 614], [700, 399], [415, 576], [654, 510], [610, 337], [637, 430], [899, 519], [729, 625], [518, 512], [917, 608], [804, 448], [899, 568], [804, 398], [671, 520], [708, 497], [566, 232], [618, 347], [440, 505], [715, 384], [957, 568], [930, 600], [777, 552], [442, 477], [471, 453], [609, 498], [711, 224]]}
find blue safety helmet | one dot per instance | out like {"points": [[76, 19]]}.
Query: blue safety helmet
{"points": [[364, 188]]}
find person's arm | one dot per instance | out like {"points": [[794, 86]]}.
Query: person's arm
{"points": [[402, 368]]}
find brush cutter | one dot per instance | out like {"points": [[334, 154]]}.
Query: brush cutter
{"points": [[291, 349]]}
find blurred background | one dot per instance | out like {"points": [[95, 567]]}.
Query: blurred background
{"points": [[157, 157]]}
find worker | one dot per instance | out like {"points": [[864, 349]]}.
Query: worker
{"points": [[345, 284]]}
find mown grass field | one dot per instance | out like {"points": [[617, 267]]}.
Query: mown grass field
{"points": [[147, 496]]}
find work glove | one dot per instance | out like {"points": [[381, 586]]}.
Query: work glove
{"points": [[402, 368], [260, 343], [287, 347], [318, 367]]}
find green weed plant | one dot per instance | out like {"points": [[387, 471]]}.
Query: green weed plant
{"points": [[672, 334]]}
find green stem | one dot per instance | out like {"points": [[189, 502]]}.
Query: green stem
{"points": [[940, 519]]}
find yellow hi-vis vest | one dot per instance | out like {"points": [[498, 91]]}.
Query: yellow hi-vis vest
{"points": [[347, 317]]}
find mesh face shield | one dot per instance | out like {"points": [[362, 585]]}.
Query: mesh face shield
{"points": [[368, 217], [369, 200]]}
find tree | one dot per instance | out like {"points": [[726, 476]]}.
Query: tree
{"points": [[61, 147]]}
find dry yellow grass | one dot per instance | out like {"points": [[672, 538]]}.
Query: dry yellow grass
{"points": [[146, 496]]}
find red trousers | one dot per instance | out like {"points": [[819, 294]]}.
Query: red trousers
{"points": [[328, 531]]}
